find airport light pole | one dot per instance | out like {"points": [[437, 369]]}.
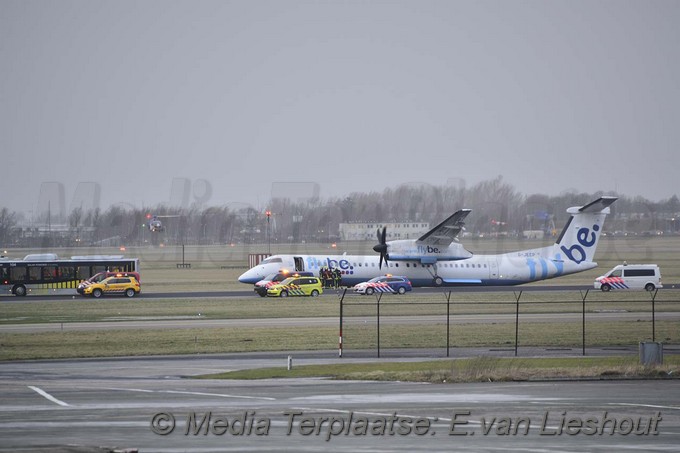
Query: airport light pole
{"points": [[269, 240]]}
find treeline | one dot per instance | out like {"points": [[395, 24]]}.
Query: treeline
{"points": [[497, 209]]}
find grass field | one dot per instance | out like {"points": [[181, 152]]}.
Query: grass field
{"points": [[80, 309], [217, 268], [477, 369], [69, 343]]}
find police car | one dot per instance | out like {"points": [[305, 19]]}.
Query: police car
{"points": [[630, 276], [384, 284], [128, 286], [296, 286]]}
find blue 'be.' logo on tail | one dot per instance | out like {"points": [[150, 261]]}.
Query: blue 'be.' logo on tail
{"points": [[585, 238]]}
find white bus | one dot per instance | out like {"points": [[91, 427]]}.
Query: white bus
{"points": [[45, 273]]}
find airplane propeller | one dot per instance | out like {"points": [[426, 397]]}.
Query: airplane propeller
{"points": [[381, 247]]}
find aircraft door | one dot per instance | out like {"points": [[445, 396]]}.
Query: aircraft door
{"points": [[493, 270], [299, 264]]}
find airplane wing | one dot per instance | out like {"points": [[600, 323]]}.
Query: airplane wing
{"points": [[444, 233]]}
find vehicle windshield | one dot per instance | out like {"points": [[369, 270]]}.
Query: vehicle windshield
{"points": [[287, 281], [376, 279], [96, 278]]}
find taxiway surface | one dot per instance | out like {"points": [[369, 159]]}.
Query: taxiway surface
{"points": [[133, 403]]}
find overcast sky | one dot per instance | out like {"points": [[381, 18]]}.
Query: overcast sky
{"points": [[352, 95]]}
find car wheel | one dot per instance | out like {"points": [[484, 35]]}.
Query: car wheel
{"points": [[315, 293], [650, 287], [130, 292], [606, 288], [262, 294], [283, 294], [97, 293], [401, 290], [19, 290], [369, 291]]}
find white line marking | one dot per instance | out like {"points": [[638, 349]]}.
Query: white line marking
{"points": [[378, 414], [646, 405], [385, 414], [128, 390], [218, 394], [48, 396], [221, 395]]}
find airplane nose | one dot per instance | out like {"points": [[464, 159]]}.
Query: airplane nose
{"points": [[249, 276]]}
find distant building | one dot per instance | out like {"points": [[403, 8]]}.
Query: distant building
{"points": [[533, 234], [60, 234], [366, 231]]}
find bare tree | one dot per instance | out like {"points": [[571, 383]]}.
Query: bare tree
{"points": [[8, 221]]}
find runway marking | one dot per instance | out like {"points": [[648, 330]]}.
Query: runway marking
{"points": [[48, 396], [380, 414], [129, 390], [181, 392], [377, 414], [646, 405], [221, 395]]}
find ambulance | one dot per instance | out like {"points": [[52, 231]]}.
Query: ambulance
{"points": [[630, 276]]}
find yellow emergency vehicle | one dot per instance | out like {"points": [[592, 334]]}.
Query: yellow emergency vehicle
{"points": [[296, 286]]}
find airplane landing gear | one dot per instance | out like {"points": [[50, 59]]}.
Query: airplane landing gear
{"points": [[436, 279]]}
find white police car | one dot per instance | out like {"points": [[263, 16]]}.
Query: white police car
{"points": [[384, 284]]}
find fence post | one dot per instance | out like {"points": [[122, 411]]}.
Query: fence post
{"points": [[654, 315], [340, 333], [448, 321], [377, 305], [583, 320], [517, 296]]}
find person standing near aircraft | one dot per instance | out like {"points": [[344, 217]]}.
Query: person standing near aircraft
{"points": [[337, 277], [325, 274]]}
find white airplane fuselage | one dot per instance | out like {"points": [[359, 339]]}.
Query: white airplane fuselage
{"points": [[505, 269], [434, 264]]}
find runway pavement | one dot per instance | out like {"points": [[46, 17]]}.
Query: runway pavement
{"points": [[247, 291], [149, 404]]}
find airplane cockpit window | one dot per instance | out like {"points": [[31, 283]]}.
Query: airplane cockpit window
{"points": [[271, 260]]}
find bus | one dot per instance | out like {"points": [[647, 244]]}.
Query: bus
{"points": [[45, 273]]}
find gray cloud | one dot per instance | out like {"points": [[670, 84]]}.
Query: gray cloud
{"points": [[354, 96]]}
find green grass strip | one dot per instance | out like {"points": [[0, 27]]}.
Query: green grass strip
{"points": [[478, 369], [68, 343]]}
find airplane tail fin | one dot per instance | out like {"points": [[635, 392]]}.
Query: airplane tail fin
{"points": [[578, 241]]}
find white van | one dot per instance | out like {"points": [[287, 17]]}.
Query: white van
{"points": [[631, 276]]}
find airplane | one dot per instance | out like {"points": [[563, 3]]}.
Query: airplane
{"points": [[438, 259], [154, 224]]}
